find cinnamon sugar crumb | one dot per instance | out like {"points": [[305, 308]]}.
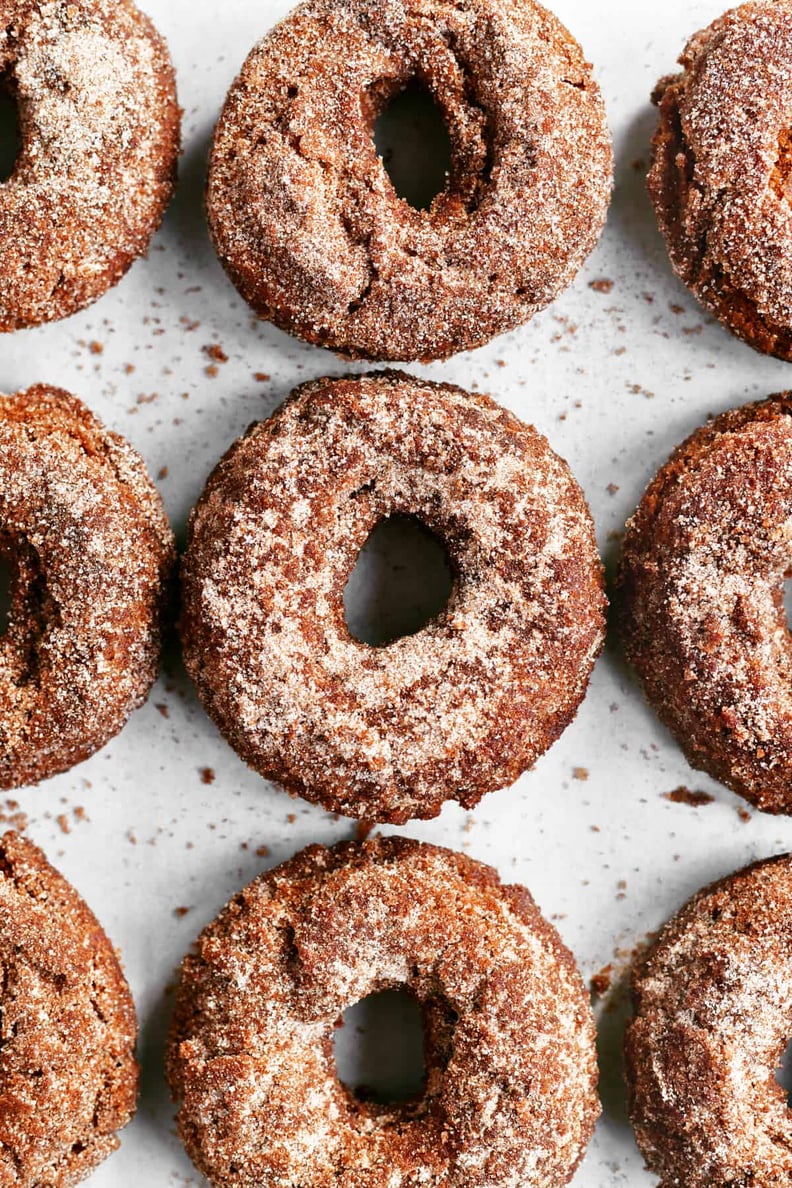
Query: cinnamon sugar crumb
{"points": [[601, 982], [684, 795]]}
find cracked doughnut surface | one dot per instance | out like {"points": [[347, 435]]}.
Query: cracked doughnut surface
{"points": [[68, 1077], [99, 127], [306, 220], [509, 1099], [458, 709], [90, 551], [701, 588], [713, 1017], [721, 175]]}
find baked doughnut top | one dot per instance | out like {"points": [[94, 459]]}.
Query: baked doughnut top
{"points": [[458, 709]]}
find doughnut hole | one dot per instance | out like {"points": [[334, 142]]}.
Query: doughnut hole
{"points": [[10, 134], [412, 137], [380, 1048], [26, 607], [783, 1073], [402, 580]]}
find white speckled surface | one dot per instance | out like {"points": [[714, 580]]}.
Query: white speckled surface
{"points": [[614, 379]]}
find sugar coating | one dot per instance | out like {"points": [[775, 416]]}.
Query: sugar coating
{"points": [[99, 125], [68, 1077], [721, 177], [308, 224], [701, 599], [458, 709], [713, 1014], [91, 552], [510, 1087]]}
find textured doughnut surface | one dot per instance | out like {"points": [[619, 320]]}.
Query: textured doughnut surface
{"points": [[307, 222], [510, 1070], [90, 552], [99, 126], [721, 176], [458, 709], [713, 1016], [701, 599], [68, 1077]]}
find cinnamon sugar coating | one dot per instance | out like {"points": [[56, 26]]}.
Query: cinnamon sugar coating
{"points": [[713, 1016], [721, 176], [68, 1077], [510, 1070], [306, 220], [701, 599], [99, 125], [458, 709], [91, 552]]}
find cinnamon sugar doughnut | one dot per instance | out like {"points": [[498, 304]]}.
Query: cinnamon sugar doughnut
{"points": [[713, 1016], [510, 1068], [702, 613], [305, 218], [99, 125], [90, 551], [721, 176], [68, 1077], [458, 709]]}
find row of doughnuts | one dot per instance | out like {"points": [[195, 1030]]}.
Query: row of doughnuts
{"points": [[461, 707], [301, 209], [509, 1092]]}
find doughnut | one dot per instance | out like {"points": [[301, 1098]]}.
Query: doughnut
{"points": [[306, 220], [721, 174], [68, 1077], [510, 1072], [712, 1018], [458, 709], [701, 599], [90, 552], [99, 129]]}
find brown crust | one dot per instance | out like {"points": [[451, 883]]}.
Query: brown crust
{"points": [[511, 1074], [713, 1016], [721, 176], [68, 1077], [100, 130], [305, 218], [701, 599], [457, 710], [91, 553]]}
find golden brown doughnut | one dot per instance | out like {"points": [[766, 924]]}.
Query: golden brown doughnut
{"points": [[305, 218], [713, 1016], [510, 1065], [721, 176], [91, 552], [456, 710], [99, 126], [68, 1077], [701, 599]]}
